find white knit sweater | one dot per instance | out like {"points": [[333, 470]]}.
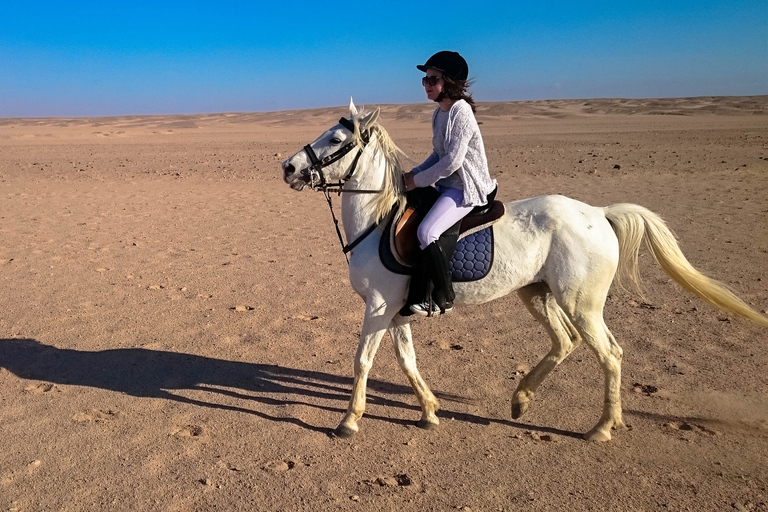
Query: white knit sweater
{"points": [[458, 150]]}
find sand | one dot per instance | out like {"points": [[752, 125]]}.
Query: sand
{"points": [[177, 329]]}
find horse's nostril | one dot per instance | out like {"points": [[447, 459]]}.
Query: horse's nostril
{"points": [[289, 169]]}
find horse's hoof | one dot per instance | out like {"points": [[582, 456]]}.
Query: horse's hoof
{"points": [[518, 409], [344, 432], [426, 424], [597, 435]]}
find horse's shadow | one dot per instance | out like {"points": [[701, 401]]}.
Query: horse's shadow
{"points": [[150, 373]]}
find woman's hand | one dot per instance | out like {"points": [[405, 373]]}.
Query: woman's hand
{"points": [[408, 180]]}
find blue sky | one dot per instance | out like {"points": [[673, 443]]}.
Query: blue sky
{"points": [[114, 58]]}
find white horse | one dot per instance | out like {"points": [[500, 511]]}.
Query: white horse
{"points": [[560, 255]]}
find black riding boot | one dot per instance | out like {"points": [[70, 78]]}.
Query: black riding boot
{"points": [[418, 290], [439, 271]]}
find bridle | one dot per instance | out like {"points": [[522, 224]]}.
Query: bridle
{"points": [[318, 181]]}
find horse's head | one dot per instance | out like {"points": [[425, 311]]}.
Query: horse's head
{"points": [[330, 156]]}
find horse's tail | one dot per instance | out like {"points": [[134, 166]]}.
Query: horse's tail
{"points": [[634, 224]]}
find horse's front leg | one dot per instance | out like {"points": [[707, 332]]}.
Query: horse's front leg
{"points": [[400, 331], [374, 324]]}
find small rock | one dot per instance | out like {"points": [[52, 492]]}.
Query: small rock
{"points": [[102, 269], [738, 506], [241, 308], [355, 498], [644, 388], [711, 431], [686, 426], [155, 287], [206, 481], [386, 481], [617, 166], [229, 467], [521, 369], [403, 480], [549, 438]]}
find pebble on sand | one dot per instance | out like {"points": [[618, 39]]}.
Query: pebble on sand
{"points": [[521, 369], [386, 481]]}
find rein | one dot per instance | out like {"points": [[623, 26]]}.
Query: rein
{"points": [[319, 182]]}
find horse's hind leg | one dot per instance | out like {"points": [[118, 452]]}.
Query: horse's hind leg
{"points": [[540, 302], [400, 331], [590, 324]]}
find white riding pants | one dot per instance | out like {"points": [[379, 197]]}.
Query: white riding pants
{"points": [[446, 212]]}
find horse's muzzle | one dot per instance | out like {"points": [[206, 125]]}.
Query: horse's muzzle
{"points": [[297, 180]]}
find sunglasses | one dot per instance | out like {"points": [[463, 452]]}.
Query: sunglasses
{"points": [[431, 80]]}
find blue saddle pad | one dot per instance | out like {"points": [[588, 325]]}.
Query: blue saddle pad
{"points": [[473, 257]]}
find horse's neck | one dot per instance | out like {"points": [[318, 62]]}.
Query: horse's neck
{"points": [[356, 213]]}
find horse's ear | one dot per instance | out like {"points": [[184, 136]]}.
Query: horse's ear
{"points": [[352, 108], [369, 119]]}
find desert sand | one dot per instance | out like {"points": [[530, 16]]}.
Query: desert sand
{"points": [[177, 329]]}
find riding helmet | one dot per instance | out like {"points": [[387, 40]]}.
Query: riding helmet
{"points": [[450, 64]]}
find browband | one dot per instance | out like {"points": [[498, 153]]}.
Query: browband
{"points": [[346, 123]]}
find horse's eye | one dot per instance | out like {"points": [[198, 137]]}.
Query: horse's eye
{"points": [[335, 140]]}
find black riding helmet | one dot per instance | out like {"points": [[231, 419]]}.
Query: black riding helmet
{"points": [[450, 64]]}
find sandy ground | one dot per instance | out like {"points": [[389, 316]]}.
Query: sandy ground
{"points": [[177, 329]]}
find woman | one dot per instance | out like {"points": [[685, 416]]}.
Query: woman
{"points": [[457, 168]]}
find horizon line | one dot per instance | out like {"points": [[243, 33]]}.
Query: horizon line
{"points": [[328, 107]]}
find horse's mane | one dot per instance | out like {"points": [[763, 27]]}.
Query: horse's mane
{"points": [[393, 189]]}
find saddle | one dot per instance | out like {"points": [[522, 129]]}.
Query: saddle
{"points": [[403, 233]]}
